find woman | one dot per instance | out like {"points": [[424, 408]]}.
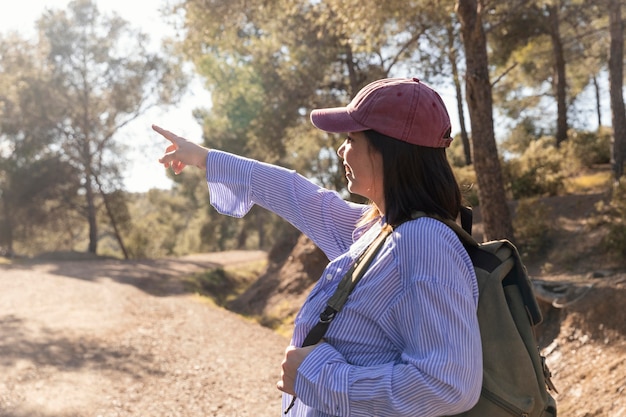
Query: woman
{"points": [[407, 341]]}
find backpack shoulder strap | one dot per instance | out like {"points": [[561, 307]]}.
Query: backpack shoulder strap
{"points": [[464, 232], [467, 218], [480, 258], [490, 255]]}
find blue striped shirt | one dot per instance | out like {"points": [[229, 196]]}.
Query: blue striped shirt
{"points": [[407, 342]]}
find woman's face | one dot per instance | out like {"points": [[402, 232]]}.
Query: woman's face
{"points": [[364, 168]]}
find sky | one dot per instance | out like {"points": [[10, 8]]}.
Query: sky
{"points": [[144, 171]]}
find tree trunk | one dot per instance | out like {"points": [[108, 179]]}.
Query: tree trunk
{"points": [[596, 88], [354, 84], [616, 80], [459, 96], [91, 215], [7, 226], [261, 220], [560, 81], [242, 237], [116, 230], [494, 210]]}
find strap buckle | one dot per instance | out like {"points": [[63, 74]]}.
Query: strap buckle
{"points": [[327, 315]]}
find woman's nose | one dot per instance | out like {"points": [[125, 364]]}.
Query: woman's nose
{"points": [[340, 149]]}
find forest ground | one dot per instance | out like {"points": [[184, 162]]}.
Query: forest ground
{"points": [[105, 338]]}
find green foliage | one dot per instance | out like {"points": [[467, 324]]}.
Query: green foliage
{"points": [[33, 194], [590, 182], [456, 153], [63, 231], [215, 283], [32, 172], [63, 98], [102, 77], [532, 225], [615, 215], [587, 149], [520, 137], [535, 167], [165, 223], [224, 284], [518, 26], [537, 172], [524, 38], [466, 177], [261, 68], [268, 64]]}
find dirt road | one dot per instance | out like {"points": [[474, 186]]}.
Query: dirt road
{"points": [[112, 338]]}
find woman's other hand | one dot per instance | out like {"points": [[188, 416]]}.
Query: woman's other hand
{"points": [[294, 356], [181, 152]]}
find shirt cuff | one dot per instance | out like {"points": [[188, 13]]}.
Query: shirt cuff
{"points": [[228, 178], [322, 381]]}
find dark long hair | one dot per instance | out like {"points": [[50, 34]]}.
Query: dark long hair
{"points": [[415, 178]]}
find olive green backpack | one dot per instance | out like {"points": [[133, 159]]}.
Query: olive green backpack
{"points": [[516, 379]]}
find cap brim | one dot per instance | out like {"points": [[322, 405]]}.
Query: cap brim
{"points": [[336, 120]]}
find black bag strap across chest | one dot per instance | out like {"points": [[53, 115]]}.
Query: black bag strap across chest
{"points": [[345, 287]]}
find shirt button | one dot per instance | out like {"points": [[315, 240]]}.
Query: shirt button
{"points": [[329, 277]]}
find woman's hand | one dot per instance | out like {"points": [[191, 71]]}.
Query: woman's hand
{"points": [[181, 152], [294, 356]]}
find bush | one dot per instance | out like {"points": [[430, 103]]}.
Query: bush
{"points": [[466, 177], [615, 241], [585, 149], [537, 172], [520, 137], [456, 152], [532, 225]]}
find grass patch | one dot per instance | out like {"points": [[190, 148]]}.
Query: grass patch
{"points": [[280, 318], [221, 285], [590, 182], [224, 284]]}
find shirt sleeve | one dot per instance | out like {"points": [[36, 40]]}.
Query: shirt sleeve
{"points": [[237, 183], [435, 326]]}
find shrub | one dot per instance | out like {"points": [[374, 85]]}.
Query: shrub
{"points": [[615, 240], [456, 152], [466, 177], [585, 149], [532, 226], [537, 172], [520, 137]]}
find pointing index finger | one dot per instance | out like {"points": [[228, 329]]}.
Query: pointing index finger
{"points": [[166, 134]]}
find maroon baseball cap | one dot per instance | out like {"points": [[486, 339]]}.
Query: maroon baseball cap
{"points": [[403, 108]]}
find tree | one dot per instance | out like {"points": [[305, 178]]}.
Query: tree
{"points": [[616, 76], [453, 57], [258, 60], [36, 182], [494, 210], [548, 52], [559, 80], [444, 36], [103, 77], [268, 63]]}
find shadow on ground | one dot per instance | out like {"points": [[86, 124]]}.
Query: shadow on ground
{"points": [[54, 350]]}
